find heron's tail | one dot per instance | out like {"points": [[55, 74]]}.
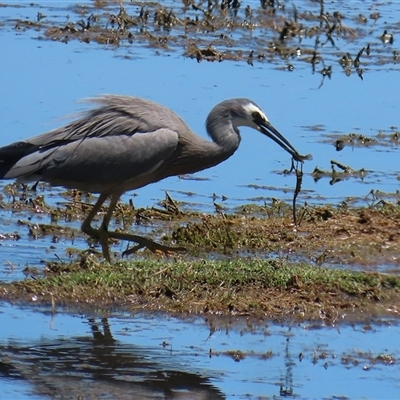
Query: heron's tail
{"points": [[11, 154]]}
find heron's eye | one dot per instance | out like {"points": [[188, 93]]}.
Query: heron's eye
{"points": [[256, 116]]}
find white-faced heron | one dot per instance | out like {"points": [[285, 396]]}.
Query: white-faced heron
{"points": [[127, 143]]}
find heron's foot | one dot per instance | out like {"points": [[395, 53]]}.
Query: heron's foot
{"points": [[102, 236], [143, 242]]}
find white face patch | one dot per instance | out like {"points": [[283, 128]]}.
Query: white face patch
{"points": [[249, 121], [251, 108]]}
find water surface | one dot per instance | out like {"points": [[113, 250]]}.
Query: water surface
{"points": [[120, 355], [73, 353]]}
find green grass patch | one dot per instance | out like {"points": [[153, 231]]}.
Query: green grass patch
{"points": [[257, 287]]}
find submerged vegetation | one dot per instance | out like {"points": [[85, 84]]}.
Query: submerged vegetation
{"points": [[324, 234]]}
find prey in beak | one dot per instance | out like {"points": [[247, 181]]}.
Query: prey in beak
{"points": [[265, 127]]}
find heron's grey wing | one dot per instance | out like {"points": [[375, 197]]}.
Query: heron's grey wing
{"points": [[95, 124], [99, 164], [116, 116]]}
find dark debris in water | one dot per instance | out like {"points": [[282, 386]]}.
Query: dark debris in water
{"points": [[338, 173], [359, 140], [322, 234], [288, 36]]}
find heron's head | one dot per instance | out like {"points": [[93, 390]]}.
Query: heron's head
{"points": [[244, 112]]}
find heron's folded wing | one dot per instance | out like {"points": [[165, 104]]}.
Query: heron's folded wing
{"points": [[116, 116], [97, 162]]}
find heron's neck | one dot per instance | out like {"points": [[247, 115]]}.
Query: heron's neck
{"points": [[196, 154], [211, 153]]}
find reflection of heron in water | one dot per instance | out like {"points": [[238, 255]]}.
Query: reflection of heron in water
{"points": [[92, 367]]}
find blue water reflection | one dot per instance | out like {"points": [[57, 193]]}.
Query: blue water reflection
{"points": [[120, 354]]}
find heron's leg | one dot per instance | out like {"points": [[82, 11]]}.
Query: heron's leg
{"points": [[143, 242], [101, 233], [86, 227], [140, 240], [113, 203]]}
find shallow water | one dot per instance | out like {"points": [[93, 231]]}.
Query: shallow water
{"points": [[61, 356], [120, 355]]}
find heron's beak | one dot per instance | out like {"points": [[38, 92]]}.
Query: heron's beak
{"points": [[267, 129]]}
